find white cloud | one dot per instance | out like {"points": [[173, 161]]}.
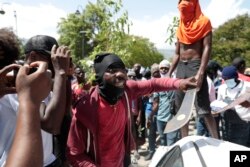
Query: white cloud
{"points": [[43, 19], [155, 30], [218, 12], [32, 20], [221, 11]]}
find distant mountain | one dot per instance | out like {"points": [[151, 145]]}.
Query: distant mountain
{"points": [[167, 53]]}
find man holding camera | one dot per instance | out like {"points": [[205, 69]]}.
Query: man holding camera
{"points": [[38, 48]]}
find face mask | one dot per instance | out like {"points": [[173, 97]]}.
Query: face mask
{"points": [[230, 83], [187, 10], [110, 93]]}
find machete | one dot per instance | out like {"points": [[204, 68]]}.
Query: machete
{"points": [[183, 115], [241, 99]]}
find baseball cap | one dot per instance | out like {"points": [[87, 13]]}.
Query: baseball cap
{"points": [[229, 72], [40, 43]]}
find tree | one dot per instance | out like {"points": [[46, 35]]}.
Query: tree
{"points": [[231, 40], [143, 51], [106, 29], [171, 30]]}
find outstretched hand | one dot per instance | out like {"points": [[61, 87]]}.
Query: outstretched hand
{"points": [[5, 81], [35, 86], [188, 83]]}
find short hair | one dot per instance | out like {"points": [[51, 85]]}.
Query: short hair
{"points": [[154, 68], [238, 62], [9, 47]]}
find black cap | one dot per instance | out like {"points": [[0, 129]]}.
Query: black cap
{"points": [[42, 43]]}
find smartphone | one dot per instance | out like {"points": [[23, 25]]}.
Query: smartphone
{"points": [[32, 70]]}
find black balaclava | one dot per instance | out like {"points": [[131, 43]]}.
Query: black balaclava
{"points": [[102, 62]]}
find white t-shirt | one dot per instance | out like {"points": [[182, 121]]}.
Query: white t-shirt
{"points": [[8, 114], [223, 92], [8, 117]]}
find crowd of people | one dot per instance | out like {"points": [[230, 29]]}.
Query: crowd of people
{"points": [[51, 116]]}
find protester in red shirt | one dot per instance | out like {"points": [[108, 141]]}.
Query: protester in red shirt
{"points": [[80, 87], [100, 132]]}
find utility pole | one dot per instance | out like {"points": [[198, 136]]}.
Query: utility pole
{"points": [[83, 36], [15, 15]]}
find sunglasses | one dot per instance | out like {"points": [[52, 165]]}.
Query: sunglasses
{"points": [[164, 68]]}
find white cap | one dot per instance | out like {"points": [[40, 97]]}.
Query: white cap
{"points": [[164, 63]]}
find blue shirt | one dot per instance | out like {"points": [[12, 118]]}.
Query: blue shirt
{"points": [[165, 105]]}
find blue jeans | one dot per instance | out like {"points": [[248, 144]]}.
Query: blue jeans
{"points": [[167, 139], [201, 127]]}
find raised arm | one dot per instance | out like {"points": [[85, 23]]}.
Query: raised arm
{"points": [[32, 89], [55, 110]]}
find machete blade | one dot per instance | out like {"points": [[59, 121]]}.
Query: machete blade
{"points": [[184, 113]]}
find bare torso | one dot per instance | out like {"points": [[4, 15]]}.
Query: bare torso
{"points": [[192, 51]]}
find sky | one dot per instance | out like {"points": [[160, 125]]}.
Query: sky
{"points": [[150, 18]]}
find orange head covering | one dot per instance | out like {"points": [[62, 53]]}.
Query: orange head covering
{"points": [[193, 24]]}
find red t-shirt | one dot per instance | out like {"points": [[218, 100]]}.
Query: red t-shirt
{"points": [[112, 122], [78, 90]]}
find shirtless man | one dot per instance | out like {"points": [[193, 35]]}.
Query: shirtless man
{"points": [[192, 53]]}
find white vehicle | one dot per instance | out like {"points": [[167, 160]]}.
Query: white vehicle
{"points": [[196, 151]]}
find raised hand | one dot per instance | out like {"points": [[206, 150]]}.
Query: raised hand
{"points": [[35, 86], [60, 59], [7, 82]]}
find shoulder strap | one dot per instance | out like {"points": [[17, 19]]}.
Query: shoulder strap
{"points": [[238, 93], [127, 100]]}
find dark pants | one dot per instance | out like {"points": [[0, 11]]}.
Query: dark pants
{"points": [[152, 135], [234, 129], [202, 103], [57, 163]]}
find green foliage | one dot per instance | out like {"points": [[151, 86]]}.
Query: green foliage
{"points": [[143, 51], [70, 29], [105, 28], [231, 40], [171, 30]]}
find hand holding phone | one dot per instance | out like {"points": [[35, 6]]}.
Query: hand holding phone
{"points": [[33, 82]]}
